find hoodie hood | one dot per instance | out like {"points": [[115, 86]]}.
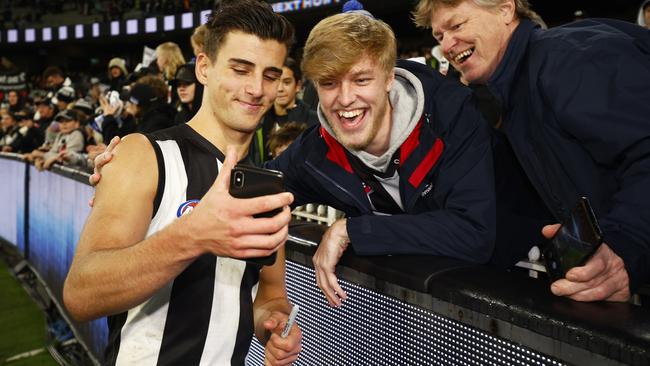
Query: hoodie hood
{"points": [[407, 101], [640, 20]]}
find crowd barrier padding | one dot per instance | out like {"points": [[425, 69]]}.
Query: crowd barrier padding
{"points": [[402, 310]]}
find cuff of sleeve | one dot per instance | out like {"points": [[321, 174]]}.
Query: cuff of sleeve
{"points": [[635, 259], [360, 234]]}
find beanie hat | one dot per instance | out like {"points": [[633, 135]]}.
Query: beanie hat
{"points": [[65, 94], [142, 95], [353, 6], [119, 63]]}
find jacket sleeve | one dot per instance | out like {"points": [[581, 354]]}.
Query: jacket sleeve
{"points": [[464, 225], [603, 100], [291, 163]]}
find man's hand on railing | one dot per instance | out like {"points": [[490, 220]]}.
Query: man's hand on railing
{"points": [[331, 248]]}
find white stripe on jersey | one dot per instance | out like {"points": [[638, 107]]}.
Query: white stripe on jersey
{"points": [[142, 333]]}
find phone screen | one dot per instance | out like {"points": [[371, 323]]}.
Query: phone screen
{"points": [[577, 239]]}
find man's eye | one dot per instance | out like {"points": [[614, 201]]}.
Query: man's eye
{"points": [[271, 77], [457, 26], [363, 81], [240, 71]]}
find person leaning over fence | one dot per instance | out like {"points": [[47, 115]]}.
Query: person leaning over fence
{"points": [[400, 149], [574, 123], [162, 252]]}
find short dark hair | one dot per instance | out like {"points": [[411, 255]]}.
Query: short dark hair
{"points": [[294, 66], [248, 16], [286, 134]]}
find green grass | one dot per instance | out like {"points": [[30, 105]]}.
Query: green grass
{"points": [[22, 324]]}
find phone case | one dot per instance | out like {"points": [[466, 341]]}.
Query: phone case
{"points": [[248, 182], [575, 242]]}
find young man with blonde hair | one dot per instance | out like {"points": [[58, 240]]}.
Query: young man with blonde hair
{"points": [[400, 150], [163, 252], [575, 123]]}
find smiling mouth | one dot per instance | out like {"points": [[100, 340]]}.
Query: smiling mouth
{"points": [[351, 118], [463, 56]]}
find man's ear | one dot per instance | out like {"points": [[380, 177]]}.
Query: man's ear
{"points": [[203, 64], [508, 11], [390, 80]]}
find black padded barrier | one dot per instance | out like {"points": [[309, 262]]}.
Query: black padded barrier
{"points": [[402, 310]]}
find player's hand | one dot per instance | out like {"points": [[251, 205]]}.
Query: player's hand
{"points": [[225, 226], [103, 159], [331, 248], [278, 350], [603, 277]]}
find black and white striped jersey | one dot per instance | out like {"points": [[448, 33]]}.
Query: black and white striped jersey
{"points": [[205, 315]]}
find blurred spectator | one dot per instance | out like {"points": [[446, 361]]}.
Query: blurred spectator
{"points": [[286, 107], [117, 74], [113, 120], [64, 97], [10, 134], [198, 39], [69, 139], [644, 14], [46, 112], [30, 136], [148, 104], [189, 91], [169, 58], [55, 79], [282, 137], [15, 101]]}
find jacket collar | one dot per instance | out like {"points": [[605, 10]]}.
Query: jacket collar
{"points": [[503, 78]]}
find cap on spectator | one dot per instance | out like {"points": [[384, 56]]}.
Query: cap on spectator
{"points": [[142, 95], [119, 63], [67, 115], [83, 105], [66, 94], [184, 74]]}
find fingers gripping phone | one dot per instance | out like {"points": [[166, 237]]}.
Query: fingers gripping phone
{"points": [[248, 182], [575, 242]]}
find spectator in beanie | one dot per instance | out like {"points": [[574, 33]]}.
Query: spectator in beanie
{"points": [[31, 137], [117, 74], [64, 97], [148, 104], [189, 91]]}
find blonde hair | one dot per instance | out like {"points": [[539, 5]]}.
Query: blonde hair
{"points": [[339, 41], [172, 55], [198, 37], [425, 8]]}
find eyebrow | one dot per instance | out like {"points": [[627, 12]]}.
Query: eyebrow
{"points": [[248, 63]]}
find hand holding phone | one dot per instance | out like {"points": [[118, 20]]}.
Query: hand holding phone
{"points": [[574, 243], [248, 182]]}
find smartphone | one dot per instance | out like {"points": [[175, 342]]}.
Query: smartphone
{"points": [[247, 182], [290, 321], [575, 242]]}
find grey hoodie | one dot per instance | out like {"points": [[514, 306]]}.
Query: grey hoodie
{"points": [[407, 100], [640, 20]]}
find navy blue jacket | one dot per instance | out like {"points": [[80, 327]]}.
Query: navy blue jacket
{"points": [[446, 180], [576, 103]]}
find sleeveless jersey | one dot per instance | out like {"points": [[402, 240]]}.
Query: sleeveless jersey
{"points": [[205, 315]]}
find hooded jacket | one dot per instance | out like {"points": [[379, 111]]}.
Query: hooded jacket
{"points": [[577, 116], [640, 20], [446, 181]]}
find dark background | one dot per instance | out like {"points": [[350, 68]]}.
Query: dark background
{"points": [[92, 56]]}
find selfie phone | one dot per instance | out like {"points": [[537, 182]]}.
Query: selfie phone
{"points": [[574, 243], [247, 182], [290, 321]]}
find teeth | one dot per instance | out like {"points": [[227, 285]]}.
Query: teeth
{"points": [[463, 54], [350, 114]]}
